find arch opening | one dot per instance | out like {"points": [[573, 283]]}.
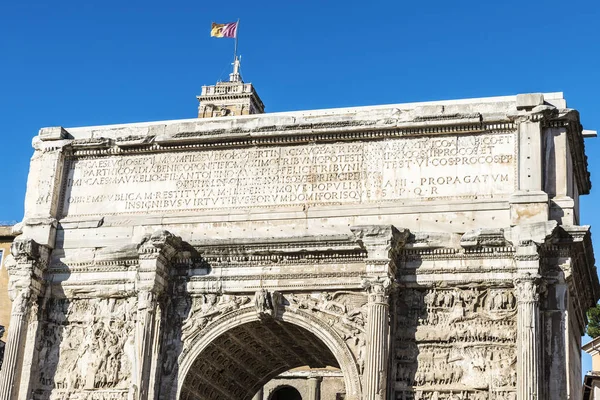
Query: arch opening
{"points": [[238, 362], [286, 393]]}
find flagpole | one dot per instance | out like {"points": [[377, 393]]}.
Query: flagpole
{"points": [[236, 41]]}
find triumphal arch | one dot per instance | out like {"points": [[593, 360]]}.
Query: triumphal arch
{"points": [[429, 251]]}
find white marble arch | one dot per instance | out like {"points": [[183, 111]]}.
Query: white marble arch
{"points": [[303, 319]]}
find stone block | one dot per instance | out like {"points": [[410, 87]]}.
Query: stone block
{"points": [[53, 133], [428, 111], [41, 230], [529, 100], [528, 213]]}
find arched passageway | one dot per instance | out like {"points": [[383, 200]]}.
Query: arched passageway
{"points": [[286, 393], [241, 360]]}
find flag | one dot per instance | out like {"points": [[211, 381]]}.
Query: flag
{"points": [[228, 30]]}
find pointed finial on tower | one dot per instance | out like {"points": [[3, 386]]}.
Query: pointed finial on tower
{"points": [[235, 75]]}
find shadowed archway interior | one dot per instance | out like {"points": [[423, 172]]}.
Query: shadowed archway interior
{"points": [[286, 393], [240, 361]]}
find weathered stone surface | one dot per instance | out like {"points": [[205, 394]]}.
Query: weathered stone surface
{"points": [[529, 100], [426, 251], [53, 133], [359, 173]]}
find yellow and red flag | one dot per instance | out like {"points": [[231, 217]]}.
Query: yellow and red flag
{"points": [[228, 30]]}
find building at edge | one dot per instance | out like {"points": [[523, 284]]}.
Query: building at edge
{"points": [[425, 250]]}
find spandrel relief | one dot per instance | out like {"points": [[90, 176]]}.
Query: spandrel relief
{"points": [[205, 308], [455, 339], [86, 345], [346, 312]]}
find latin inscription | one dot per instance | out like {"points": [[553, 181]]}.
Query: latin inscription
{"points": [[317, 174]]}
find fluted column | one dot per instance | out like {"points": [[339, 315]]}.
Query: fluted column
{"points": [[17, 332], [378, 328], [382, 244], [155, 254], [527, 290], [314, 387], [25, 268]]}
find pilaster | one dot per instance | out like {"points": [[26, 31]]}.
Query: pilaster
{"points": [[530, 203], [559, 177], [26, 265], [155, 254]]}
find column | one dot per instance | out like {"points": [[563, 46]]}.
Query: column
{"points": [[155, 254], [314, 387], [527, 290], [145, 334], [14, 345], [376, 362], [25, 270], [382, 244]]}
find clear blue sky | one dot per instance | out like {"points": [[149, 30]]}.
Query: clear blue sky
{"points": [[74, 63]]}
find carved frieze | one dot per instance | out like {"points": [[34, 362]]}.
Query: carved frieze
{"points": [[456, 341], [86, 348]]}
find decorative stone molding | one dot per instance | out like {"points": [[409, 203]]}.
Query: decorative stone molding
{"points": [[379, 289], [156, 253], [26, 266], [162, 243], [484, 237], [528, 288], [382, 243], [23, 250]]}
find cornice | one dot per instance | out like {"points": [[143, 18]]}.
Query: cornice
{"points": [[278, 135], [408, 255], [267, 276]]}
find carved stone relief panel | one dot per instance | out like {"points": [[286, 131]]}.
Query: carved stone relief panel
{"points": [[86, 349], [204, 308], [455, 395], [455, 343], [344, 311]]}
